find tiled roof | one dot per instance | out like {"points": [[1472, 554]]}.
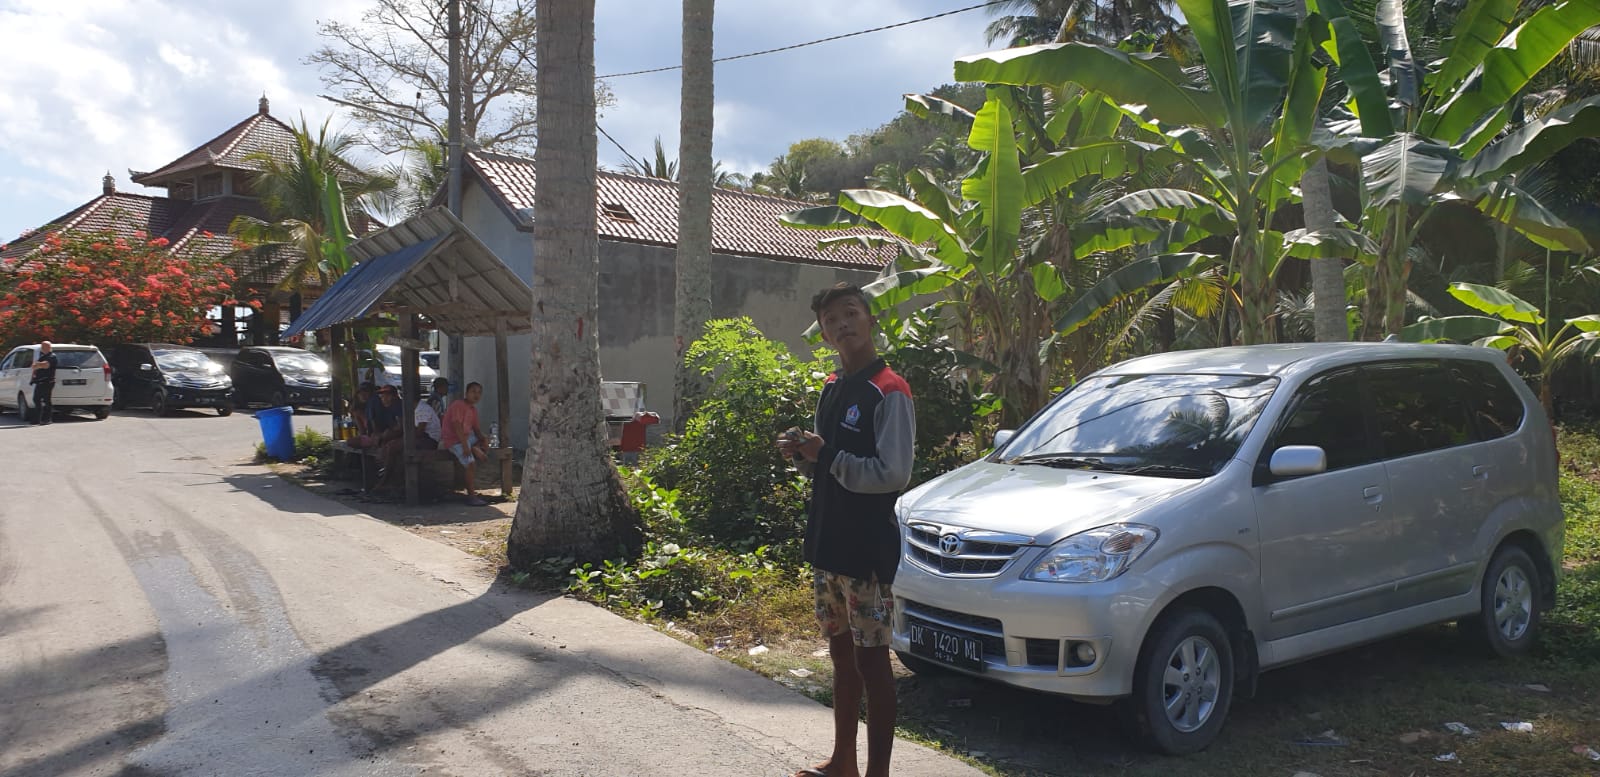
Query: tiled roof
{"points": [[645, 210], [186, 225], [260, 132]]}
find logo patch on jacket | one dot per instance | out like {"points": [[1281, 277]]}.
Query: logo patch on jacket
{"points": [[851, 416]]}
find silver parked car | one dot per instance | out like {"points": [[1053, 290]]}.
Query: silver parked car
{"points": [[1174, 525]]}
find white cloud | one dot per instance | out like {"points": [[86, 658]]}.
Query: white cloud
{"points": [[119, 84]]}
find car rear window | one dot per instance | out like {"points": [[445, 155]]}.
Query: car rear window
{"points": [[1494, 404], [1418, 408], [78, 358]]}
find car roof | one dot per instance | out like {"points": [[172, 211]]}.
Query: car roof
{"points": [[1287, 359], [59, 346], [169, 347], [276, 348]]}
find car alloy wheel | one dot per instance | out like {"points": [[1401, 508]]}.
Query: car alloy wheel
{"points": [[1182, 684], [1191, 684], [1507, 622]]}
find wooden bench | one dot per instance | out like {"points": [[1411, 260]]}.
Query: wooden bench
{"points": [[345, 454]]}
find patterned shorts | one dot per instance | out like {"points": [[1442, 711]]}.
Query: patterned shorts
{"points": [[865, 607]]}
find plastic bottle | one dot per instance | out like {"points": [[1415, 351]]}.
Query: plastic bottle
{"points": [[494, 435]]}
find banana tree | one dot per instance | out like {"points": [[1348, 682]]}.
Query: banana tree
{"points": [[972, 245], [1246, 129], [1437, 134], [1514, 325]]}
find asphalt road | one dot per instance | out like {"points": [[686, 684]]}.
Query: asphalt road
{"points": [[168, 609]]}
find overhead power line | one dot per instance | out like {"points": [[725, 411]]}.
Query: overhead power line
{"points": [[813, 42]]}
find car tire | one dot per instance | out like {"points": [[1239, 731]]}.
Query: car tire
{"points": [[919, 666], [158, 403], [27, 416], [277, 399], [225, 409], [1186, 658], [102, 413], [1507, 623]]}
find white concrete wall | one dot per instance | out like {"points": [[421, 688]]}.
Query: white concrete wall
{"points": [[636, 309]]}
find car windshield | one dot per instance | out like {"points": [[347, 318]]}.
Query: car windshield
{"points": [[75, 358], [299, 362], [388, 357], [183, 361], [1160, 425]]}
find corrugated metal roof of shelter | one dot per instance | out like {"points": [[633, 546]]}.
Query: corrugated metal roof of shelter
{"points": [[396, 266], [641, 209], [231, 149]]}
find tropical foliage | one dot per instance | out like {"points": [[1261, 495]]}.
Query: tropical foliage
{"points": [[97, 287]]}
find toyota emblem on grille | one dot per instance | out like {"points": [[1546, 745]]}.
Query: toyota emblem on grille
{"points": [[950, 545]]}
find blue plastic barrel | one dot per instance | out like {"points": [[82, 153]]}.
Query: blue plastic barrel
{"points": [[277, 431]]}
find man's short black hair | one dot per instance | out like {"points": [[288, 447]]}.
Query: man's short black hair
{"points": [[443, 380], [470, 385], [836, 292]]}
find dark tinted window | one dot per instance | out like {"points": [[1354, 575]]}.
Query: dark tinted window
{"points": [[1327, 413], [74, 358], [1418, 408], [1494, 404], [24, 359]]}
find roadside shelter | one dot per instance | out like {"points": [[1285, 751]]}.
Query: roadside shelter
{"points": [[429, 267]]}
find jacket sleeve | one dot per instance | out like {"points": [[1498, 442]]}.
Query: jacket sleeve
{"points": [[895, 425]]}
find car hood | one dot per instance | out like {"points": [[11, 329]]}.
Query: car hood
{"points": [[194, 378], [1042, 502], [313, 378]]}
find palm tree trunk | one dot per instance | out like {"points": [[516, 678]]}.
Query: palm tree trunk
{"points": [[692, 306], [572, 501], [1327, 275]]}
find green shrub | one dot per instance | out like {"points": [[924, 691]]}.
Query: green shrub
{"points": [[674, 582], [310, 443], [733, 489], [948, 410]]}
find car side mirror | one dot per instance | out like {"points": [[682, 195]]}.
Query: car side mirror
{"points": [[1002, 437], [1298, 460], [147, 367]]}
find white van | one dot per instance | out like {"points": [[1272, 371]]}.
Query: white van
{"points": [[83, 380]]}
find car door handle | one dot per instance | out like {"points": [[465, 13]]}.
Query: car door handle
{"points": [[1372, 494], [1480, 472]]}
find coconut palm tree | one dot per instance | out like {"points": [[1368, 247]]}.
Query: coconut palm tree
{"points": [[295, 189], [419, 177], [1026, 22], [692, 301], [572, 502]]}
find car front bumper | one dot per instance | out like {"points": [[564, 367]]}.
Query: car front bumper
{"points": [[1030, 629], [309, 396], [188, 397]]}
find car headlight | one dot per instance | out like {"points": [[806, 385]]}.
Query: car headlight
{"points": [[1094, 556]]}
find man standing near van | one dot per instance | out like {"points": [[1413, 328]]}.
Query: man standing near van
{"points": [[860, 456], [44, 383]]}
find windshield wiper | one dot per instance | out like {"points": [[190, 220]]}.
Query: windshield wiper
{"points": [[1063, 461], [1167, 471]]}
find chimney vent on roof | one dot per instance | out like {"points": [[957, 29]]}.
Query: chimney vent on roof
{"points": [[108, 184], [263, 106]]}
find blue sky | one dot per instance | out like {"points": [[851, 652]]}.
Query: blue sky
{"points": [[88, 86]]}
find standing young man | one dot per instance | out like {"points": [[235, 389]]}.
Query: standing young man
{"points": [[44, 384], [860, 454]]}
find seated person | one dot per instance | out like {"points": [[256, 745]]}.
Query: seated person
{"points": [[384, 414], [357, 411], [393, 452], [464, 439]]}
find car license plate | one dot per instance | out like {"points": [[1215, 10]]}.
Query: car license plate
{"points": [[946, 647], [75, 382]]}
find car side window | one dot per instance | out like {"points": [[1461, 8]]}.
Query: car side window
{"points": [[7, 364], [1493, 403], [1327, 412], [24, 359], [1418, 408]]}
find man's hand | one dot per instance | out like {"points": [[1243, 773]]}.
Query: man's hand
{"points": [[802, 445]]}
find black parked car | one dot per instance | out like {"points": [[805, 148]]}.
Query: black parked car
{"points": [[164, 377], [280, 376]]}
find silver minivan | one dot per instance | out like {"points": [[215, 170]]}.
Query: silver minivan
{"points": [[1175, 524]]}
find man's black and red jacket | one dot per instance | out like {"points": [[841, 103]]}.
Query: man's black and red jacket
{"points": [[868, 427]]}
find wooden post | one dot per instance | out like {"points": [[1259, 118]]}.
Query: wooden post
{"points": [[336, 405], [502, 384], [273, 319], [408, 416]]}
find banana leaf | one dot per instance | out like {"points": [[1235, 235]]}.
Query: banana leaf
{"points": [[1331, 243], [998, 188], [1108, 160], [1522, 212], [924, 106], [1496, 302], [1128, 280], [1535, 141], [1303, 90], [1368, 98], [1407, 169], [1391, 20], [1478, 29], [822, 217], [1098, 236], [1509, 66], [1453, 329], [1170, 205], [1145, 79], [907, 219]]}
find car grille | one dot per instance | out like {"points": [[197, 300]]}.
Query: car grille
{"points": [[1044, 652], [980, 554]]}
